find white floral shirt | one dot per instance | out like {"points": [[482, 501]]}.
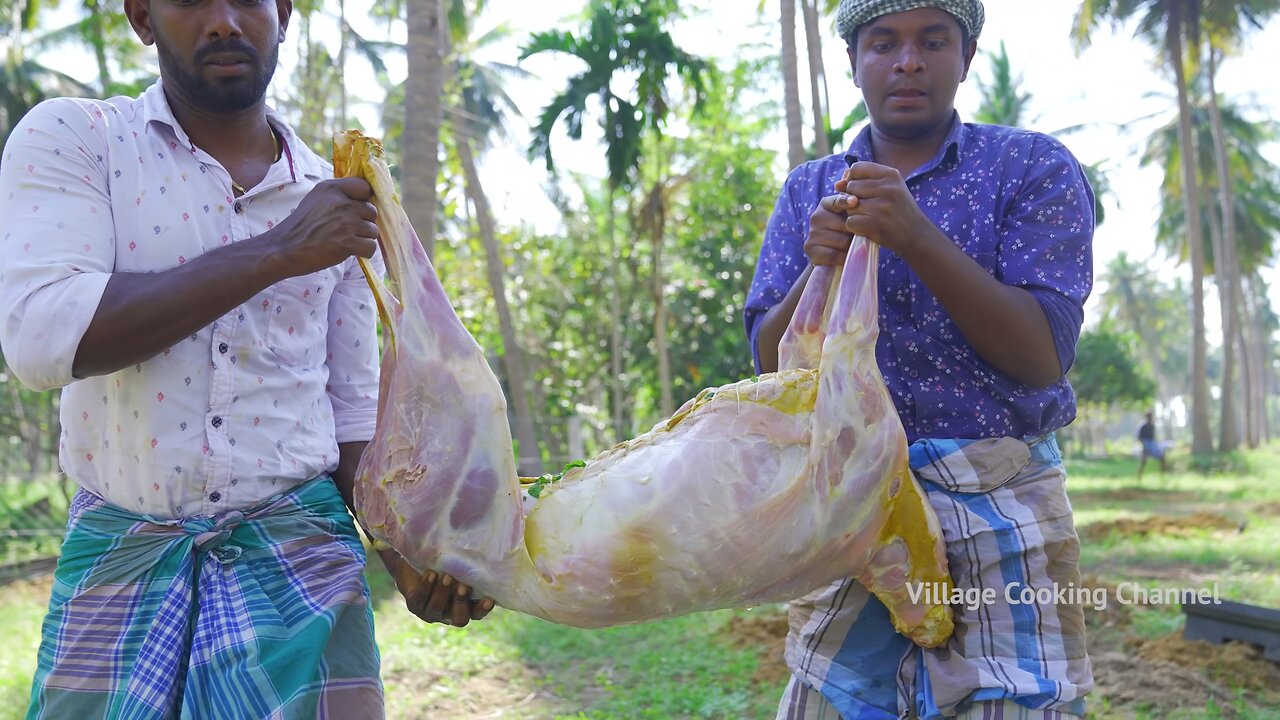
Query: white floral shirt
{"points": [[249, 406]]}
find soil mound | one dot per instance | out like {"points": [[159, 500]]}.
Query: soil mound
{"points": [[765, 630], [1160, 525]]}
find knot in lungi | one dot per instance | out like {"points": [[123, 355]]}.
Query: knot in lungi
{"points": [[214, 540]]}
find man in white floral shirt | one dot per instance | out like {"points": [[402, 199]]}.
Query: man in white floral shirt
{"points": [[181, 266]]}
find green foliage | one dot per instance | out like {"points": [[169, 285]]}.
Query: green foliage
{"points": [[1100, 182], [1255, 180], [717, 207], [858, 114], [717, 226], [621, 36], [33, 516], [1003, 102], [540, 484], [29, 426], [1140, 303], [686, 667], [1234, 462], [1106, 371]]}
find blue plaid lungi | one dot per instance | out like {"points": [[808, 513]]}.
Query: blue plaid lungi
{"points": [[262, 613], [1008, 525]]}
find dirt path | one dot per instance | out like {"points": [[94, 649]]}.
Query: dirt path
{"points": [[501, 691], [1132, 676]]}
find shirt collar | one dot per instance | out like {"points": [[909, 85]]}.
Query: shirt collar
{"points": [[156, 108], [952, 146]]}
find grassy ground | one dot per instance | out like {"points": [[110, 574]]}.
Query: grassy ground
{"points": [[32, 517], [1177, 531]]}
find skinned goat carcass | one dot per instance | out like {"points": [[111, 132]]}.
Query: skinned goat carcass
{"points": [[754, 492]]}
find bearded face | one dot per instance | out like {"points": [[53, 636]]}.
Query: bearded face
{"points": [[222, 76], [215, 55]]}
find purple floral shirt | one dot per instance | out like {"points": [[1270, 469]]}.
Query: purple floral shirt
{"points": [[1014, 200]]}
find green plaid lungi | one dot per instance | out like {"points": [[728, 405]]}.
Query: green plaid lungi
{"points": [[256, 614]]}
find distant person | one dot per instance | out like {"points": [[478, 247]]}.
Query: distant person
{"points": [[986, 238], [1150, 448]]}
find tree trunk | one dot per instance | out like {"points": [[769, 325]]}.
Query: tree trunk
{"points": [[615, 329], [660, 325], [1227, 270], [1252, 355], [343, 31], [424, 88], [1201, 438], [552, 439], [791, 85], [1228, 424], [1261, 352], [529, 463], [657, 213], [655, 217], [98, 39], [817, 77], [1142, 327]]}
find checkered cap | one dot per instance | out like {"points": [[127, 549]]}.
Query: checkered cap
{"points": [[854, 13]]}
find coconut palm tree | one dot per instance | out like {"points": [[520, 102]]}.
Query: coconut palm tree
{"points": [[621, 36], [316, 80], [478, 111], [24, 81], [791, 84], [427, 50], [1173, 27], [817, 77], [1002, 101], [1137, 301], [1225, 24], [1254, 219]]}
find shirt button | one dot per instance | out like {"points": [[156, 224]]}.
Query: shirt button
{"points": [[223, 347], [913, 373], [217, 421], [239, 208], [215, 496]]}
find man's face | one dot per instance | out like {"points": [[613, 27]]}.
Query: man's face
{"points": [[218, 55], [909, 65]]}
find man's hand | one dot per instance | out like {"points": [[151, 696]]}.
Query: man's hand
{"points": [[333, 222], [829, 238], [434, 598], [880, 207]]}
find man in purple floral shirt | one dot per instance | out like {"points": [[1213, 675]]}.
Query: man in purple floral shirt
{"points": [[987, 233]]}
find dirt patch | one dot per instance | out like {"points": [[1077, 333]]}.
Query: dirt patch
{"points": [[765, 631], [1160, 525], [1132, 676], [1239, 664], [1169, 673], [505, 691], [1268, 509], [1106, 628], [27, 592], [1130, 683]]}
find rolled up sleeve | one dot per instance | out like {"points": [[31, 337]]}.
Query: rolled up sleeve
{"points": [[57, 249], [782, 259], [1046, 243], [353, 354]]}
